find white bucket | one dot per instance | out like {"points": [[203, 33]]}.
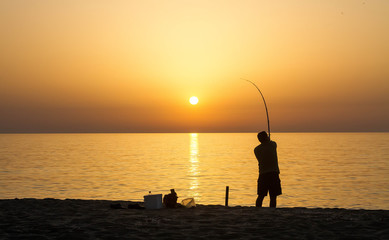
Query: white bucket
{"points": [[153, 201]]}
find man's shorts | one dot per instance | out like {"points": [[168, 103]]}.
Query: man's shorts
{"points": [[269, 182]]}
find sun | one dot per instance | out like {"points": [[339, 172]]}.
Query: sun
{"points": [[193, 100]]}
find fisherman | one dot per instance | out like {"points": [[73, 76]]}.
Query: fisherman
{"points": [[268, 180]]}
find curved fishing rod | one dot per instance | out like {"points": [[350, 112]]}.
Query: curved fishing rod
{"points": [[263, 98]]}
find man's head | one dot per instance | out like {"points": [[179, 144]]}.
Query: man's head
{"points": [[262, 137]]}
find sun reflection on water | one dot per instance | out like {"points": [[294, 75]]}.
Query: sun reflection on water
{"points": [[194, 164]]}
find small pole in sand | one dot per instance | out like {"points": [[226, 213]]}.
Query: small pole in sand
{"points": [[227, 189]]}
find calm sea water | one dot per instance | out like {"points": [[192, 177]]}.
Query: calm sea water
{"points": [[346, 170]]}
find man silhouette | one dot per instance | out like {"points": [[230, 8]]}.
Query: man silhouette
{"points": [[268, 180]]}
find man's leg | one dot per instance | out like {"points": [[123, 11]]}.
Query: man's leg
{"points": [[273, 201], [259, 201], [274, 189]]}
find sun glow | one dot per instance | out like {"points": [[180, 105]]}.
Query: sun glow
{"points": [[193, 100]]}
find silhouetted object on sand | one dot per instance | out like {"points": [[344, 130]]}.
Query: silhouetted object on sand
{"points": [[130, 206], [268, 180], [116, 206], [227, 191], [188, 203], [135, 206], [170, 200]]}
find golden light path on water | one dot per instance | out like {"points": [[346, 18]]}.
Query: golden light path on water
{"points": [[194, 164]]}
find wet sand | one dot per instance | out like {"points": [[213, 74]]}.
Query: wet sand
{"points": [[95, 219]]}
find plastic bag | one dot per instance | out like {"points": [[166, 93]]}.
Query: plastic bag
{"points": [[188, 202]]}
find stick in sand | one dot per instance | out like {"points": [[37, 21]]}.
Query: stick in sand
{"points": [[263, 98], [227, 190]]}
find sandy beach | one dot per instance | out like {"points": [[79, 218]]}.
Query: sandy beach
{"points": [[95, 219]]}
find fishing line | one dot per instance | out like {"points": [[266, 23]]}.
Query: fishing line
{"points": [[263, 98]]}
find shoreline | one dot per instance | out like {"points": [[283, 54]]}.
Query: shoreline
{"points": [[48, 218]]}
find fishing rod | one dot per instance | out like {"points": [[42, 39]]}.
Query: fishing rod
{"points": [[263, 98]]}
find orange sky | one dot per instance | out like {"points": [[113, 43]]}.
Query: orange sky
{"points": [[131, 66]]}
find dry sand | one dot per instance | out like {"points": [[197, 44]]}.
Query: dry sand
{"points": [[94, 219]]}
